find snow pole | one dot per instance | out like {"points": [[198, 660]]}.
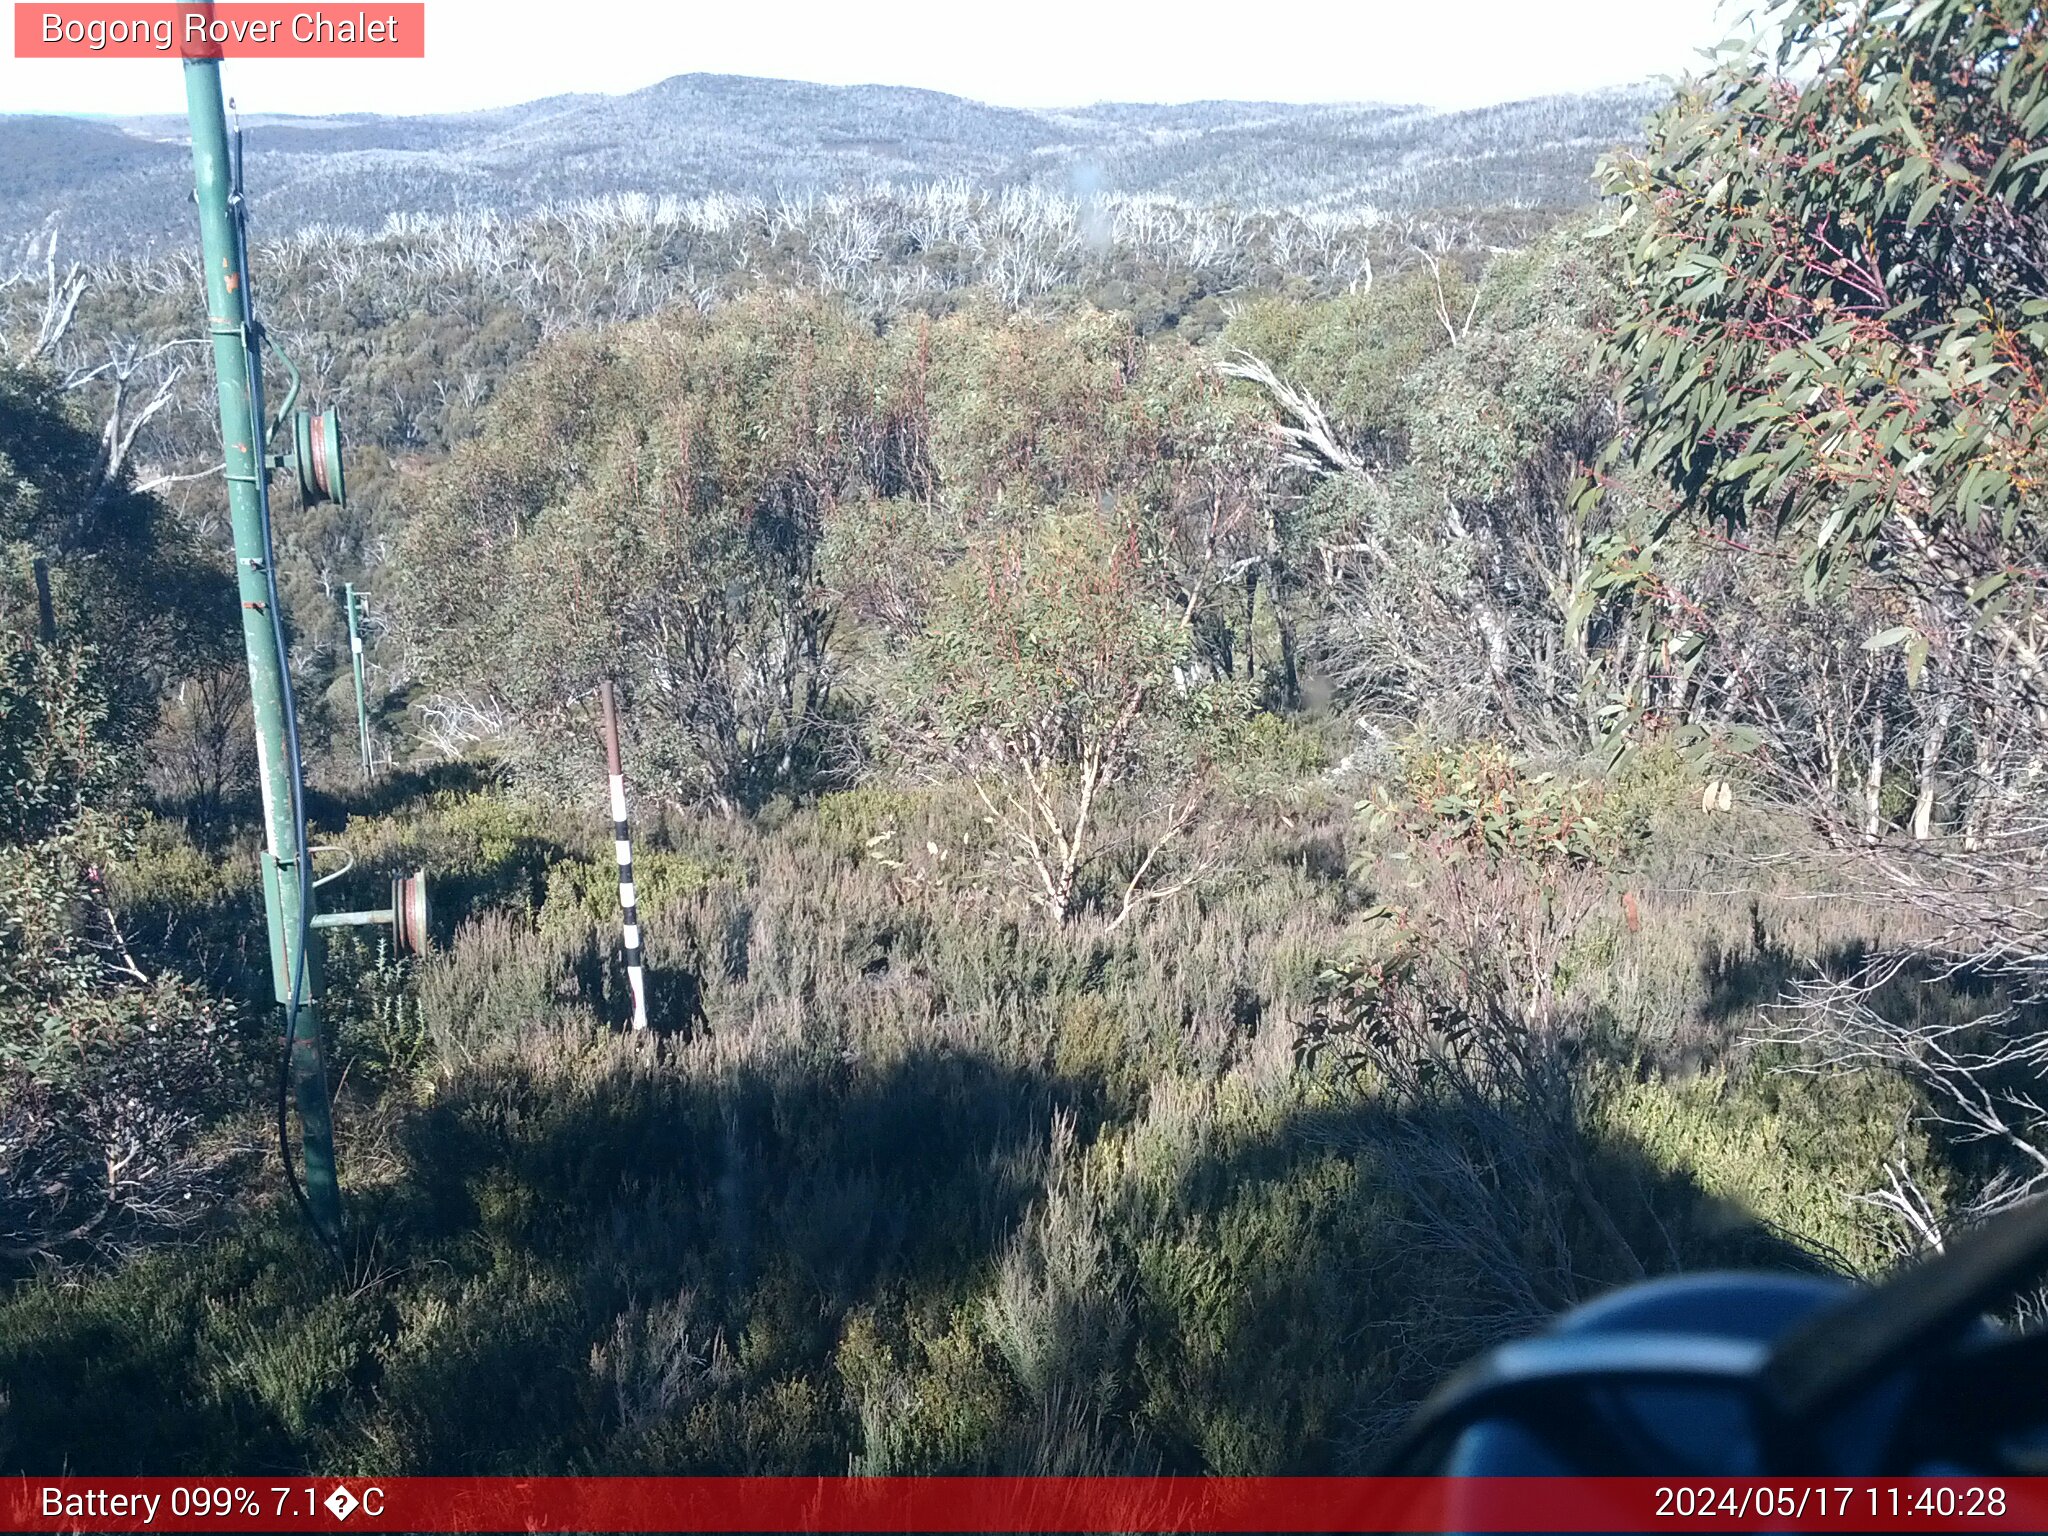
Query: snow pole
{"points": [[622, 839]]}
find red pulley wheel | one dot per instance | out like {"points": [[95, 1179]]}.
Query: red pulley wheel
{"points": [[409, 912]]}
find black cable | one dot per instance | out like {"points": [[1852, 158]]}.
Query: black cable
{"points": [[295, 959]]}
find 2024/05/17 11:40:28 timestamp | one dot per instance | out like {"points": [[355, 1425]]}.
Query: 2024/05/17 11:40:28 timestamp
{"points": [[1934, 1501]]}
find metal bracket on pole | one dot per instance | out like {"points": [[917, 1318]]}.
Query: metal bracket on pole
{"points": [[353, 601]]}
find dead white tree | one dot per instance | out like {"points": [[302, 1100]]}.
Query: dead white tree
{"points": [[59, 302], [142, 382], [1433, 257], [1312, 443]]}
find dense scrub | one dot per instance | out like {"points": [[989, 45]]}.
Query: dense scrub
{"points": [[907, 1183], [1054, 1070]]}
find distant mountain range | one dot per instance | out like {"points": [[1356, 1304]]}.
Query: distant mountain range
{"points": [[123, 184]]}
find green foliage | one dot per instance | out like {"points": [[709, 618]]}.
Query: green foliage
{"points": [[126, 578], [1464, 587], [1051, 668], [855, 821], [1357, 355], [1831, 325], [581, 891], [946, 1409], [1029, 415], [63, 783], [370, 1005], [1271, 754], [1050, 638], [481, 849], [899, 1181], [1477, 800], [128, 595], [1740, 1133], [1241, 1274], [883, 559], [651, 507], [163, 868], [494, 985], [108, 1075], [57, 762], [697, 506], [1833, 336]]}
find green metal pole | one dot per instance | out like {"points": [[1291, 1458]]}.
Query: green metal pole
{"points": [[355, 653], [287, 893]]}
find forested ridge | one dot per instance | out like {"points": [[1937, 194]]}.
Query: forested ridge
{"points": [[122, 186], [1232, 806]]}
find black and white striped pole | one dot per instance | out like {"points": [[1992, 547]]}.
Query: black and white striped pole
{"points": [[629, 912]]}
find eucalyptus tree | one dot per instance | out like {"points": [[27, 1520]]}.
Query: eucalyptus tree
{"points": [[1439, 424], [648, 505], [1834, 334], [1050, 680]]}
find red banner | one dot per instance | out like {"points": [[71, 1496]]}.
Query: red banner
{"points": [[999, 1504], [236, 29]]}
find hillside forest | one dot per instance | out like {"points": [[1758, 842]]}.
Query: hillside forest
{"points": [[125, 186], [1231, 807]]}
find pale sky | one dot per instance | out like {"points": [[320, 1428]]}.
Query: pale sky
{"points": [[1034, 53]]}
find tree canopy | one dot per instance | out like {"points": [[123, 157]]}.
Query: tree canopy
{"points": [[1837, 301]]}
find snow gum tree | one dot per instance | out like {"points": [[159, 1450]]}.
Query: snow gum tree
{"points": [[1834, 335], [1055, 675]]}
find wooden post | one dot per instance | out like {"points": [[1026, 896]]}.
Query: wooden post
{"points": [[629, 914], [46, 612]]}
